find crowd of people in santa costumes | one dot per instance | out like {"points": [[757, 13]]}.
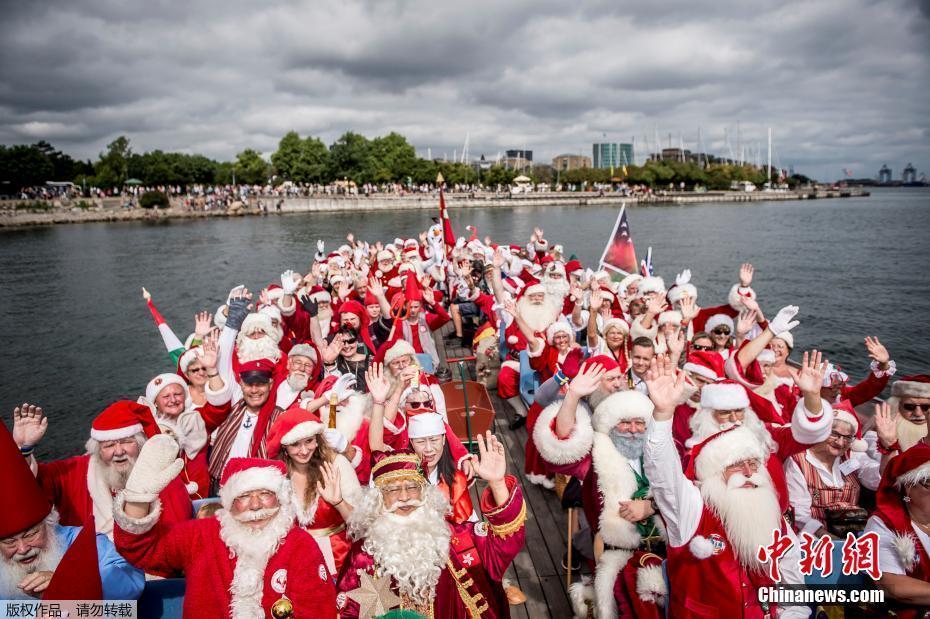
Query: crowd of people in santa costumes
{"points": [[314, 409]]}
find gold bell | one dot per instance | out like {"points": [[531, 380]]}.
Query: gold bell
{"points": [[282, 609]]}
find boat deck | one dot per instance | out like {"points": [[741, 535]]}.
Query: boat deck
{"points": [[537, 570]]}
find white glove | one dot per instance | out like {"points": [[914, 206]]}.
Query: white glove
{"points": [[157, 465], [343, 387], [335, 439], [320, 255], [235, 290], [782, 322], [683, 278], [288, 283], [460, 242]]}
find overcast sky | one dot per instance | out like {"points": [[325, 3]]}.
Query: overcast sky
{"points": [[843, 83]]}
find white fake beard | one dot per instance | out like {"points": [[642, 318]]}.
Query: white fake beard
{"points": [[749, 515], [538, 317], [12, 572], [297, 381], [411, 549], [910, 433], [325, 318], [703, 426], [114, 479], [557, 289], [252, 350], [629, 444]]}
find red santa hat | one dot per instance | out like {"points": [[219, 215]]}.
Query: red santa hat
{"points": [[513, 285], [274, 292], [396, 466], [573, 266], [371, 299], [717, 320], [243, 475], [725, 448], [319, 294], [22, 502], [77, 576], [616, 323], [915, 386], [834, 375], [844, 411], [536, 288], [670, 317], [412, 291], [605, 361], [559, 326], [161, 381], [724, 396], [651, 284], [904, 471], [626, 281], [399, 349], [189, 356], [621, 406], [679, 291], [424, 425], [385, 254], [706, 363], [257, 322], [555, 268], [295, 424], [123, 419]]}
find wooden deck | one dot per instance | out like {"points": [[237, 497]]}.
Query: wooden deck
{"points": [[537, 570]]}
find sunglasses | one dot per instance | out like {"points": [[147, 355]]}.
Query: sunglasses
{"points": [[721, 331], [415, 405], [348, 342], [700, 347], [910, 407]]}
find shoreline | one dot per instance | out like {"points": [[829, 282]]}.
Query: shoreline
{"points": [[109, 210]]}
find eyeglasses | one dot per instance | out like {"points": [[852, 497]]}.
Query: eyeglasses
{"points": [[302, 365], [395, 491], [753, 465], [31, 536], [911, 407], [701, 347], [721, 331], [196, 370], [265, 497], [843, 438]]}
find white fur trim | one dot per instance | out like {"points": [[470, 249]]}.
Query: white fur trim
{"points": [[719, 319], [136, 526], [399, 349], [650, 584], [905, 546], [615, 482], [847, 417], [558, 327], [670, 317], [701, 370], [116, 433], [424, 425], [605, 576], [302, 431], [914, 476], [735, 299], [678, 292], [651, 284], [255, 478], [766, 356], [701, 547], [726, 397], [534, 289], [581, 593], [616, 323], [787, 338], [570, 449], [910, 388], [626, 281], [728, 448], [540, 480], [163, 380], [257, 322], [620, 406]]}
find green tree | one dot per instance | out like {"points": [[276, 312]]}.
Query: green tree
{"points": [[113, 166], [392, 158], [250, 168], [350, 157], [24, 166]]}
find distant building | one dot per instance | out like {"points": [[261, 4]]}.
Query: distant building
{"points": [[884, 175], [612, 155], [909, 175], [518, 159], [566, 162]]}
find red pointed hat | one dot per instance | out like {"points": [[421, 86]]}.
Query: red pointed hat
{"points": [[904, 469], [706, 363], [295, 424], [122, 419], [605, 361], [78, 574], [396, 465], [412, 290], [22, 502]]}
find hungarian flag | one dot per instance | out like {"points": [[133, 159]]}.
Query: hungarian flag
{"points": [[447, 234], [619, 254]]}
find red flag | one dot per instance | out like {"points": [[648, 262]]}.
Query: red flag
{"points": [[619, 254], [78, 574], [448, 235]]}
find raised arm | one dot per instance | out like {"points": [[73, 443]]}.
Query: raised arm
{"points": [[595, 302], [379, 388], [584, 384], [534, 344], [782, 323]]}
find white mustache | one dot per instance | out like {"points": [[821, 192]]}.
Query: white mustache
{"points": [[32, 553], [258, 514], [736, 481], [399, 504], [726, 425]]}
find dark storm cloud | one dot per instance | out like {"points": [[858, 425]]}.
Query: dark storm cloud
{"points": [[840, 83]]}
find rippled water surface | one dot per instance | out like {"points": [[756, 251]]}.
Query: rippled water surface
{"points": [[79, 336]]}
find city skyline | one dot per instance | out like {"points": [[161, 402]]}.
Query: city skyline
{"points": [[841, 85]]}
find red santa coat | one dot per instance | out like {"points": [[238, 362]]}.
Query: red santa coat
{"points": [[195, 550], [77, 494], [479, 554], [734, 590]]}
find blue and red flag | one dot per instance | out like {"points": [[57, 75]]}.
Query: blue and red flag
{"points": [[619, 254]]}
